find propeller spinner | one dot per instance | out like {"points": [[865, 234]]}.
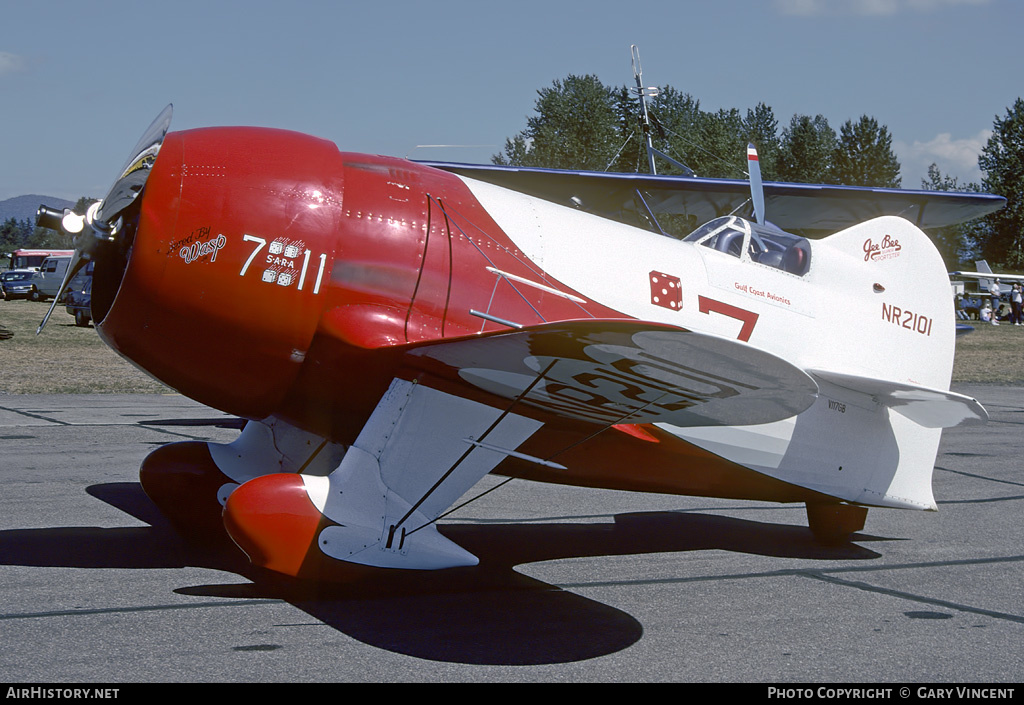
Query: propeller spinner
{"points": [[101, 222]]}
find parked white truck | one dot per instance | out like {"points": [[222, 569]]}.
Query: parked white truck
{"points": [[46, 282]]}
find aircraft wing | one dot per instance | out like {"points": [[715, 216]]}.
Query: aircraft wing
{"points": [[791, 206], [431, 438], [989, 276], [625, 372]]}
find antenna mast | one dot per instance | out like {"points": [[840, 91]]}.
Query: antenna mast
{"points": [[644, 93]]}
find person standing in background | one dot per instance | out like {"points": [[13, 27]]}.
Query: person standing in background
{"points": [[1016, 299]]}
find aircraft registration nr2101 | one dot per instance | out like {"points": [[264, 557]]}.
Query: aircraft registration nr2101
{"points": [[907, 319]]}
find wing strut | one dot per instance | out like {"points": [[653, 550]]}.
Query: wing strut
{"points": [[508, 409], [542, 461]]}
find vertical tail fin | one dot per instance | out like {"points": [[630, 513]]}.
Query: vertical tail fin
{"points": [[881, 351], [756, 189], [983, 268]]}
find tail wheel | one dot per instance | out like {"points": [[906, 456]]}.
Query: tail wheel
{"points": [[835, 523]]}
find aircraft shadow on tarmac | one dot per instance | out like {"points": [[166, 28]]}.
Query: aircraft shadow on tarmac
{"points": [[489, 614]]}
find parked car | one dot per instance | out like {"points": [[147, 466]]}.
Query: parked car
{"points": [[78, 301], [46, 282], [16, 283]]}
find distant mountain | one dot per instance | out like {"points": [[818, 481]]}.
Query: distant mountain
{"points": [[22, 207]]}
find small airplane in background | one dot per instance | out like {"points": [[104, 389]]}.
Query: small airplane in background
{"points": [[985, 277], [394, 331]]}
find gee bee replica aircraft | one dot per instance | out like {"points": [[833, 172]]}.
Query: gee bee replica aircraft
{"points": [[395, 331]]}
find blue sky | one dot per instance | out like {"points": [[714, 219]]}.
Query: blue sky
{"points": [[80, 81]]}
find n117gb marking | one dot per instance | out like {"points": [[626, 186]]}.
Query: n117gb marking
{"points": [[907, 319]]}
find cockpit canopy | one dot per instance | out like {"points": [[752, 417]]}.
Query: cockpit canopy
{"points": [[763, 244]]}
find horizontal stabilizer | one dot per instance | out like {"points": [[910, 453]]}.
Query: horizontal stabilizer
{"points": [[623, 371], [931, 408]]}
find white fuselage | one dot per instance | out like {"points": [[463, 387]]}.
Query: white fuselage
{"points": [[873, 304]]}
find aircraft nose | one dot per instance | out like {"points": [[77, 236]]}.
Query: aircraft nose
{"points": [[233, 251]]}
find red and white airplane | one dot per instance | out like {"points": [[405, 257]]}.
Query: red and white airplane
{"points": [[395, 331]]}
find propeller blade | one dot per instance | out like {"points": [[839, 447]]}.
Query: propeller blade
{"points": [[102, 216], [77, 262], [135, 171], [756, 190]]}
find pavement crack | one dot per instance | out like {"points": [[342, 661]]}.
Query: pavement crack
{"points": [[921, 599], [128, 610], [833, 575], [31, 415]]}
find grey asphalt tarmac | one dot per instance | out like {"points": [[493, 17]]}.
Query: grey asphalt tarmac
{"points": [[574, 584]]}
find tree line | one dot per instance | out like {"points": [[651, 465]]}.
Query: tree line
{"points": [[579, 123]]}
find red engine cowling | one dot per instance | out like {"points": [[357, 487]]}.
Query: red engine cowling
{"points": [[219, 295]]}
